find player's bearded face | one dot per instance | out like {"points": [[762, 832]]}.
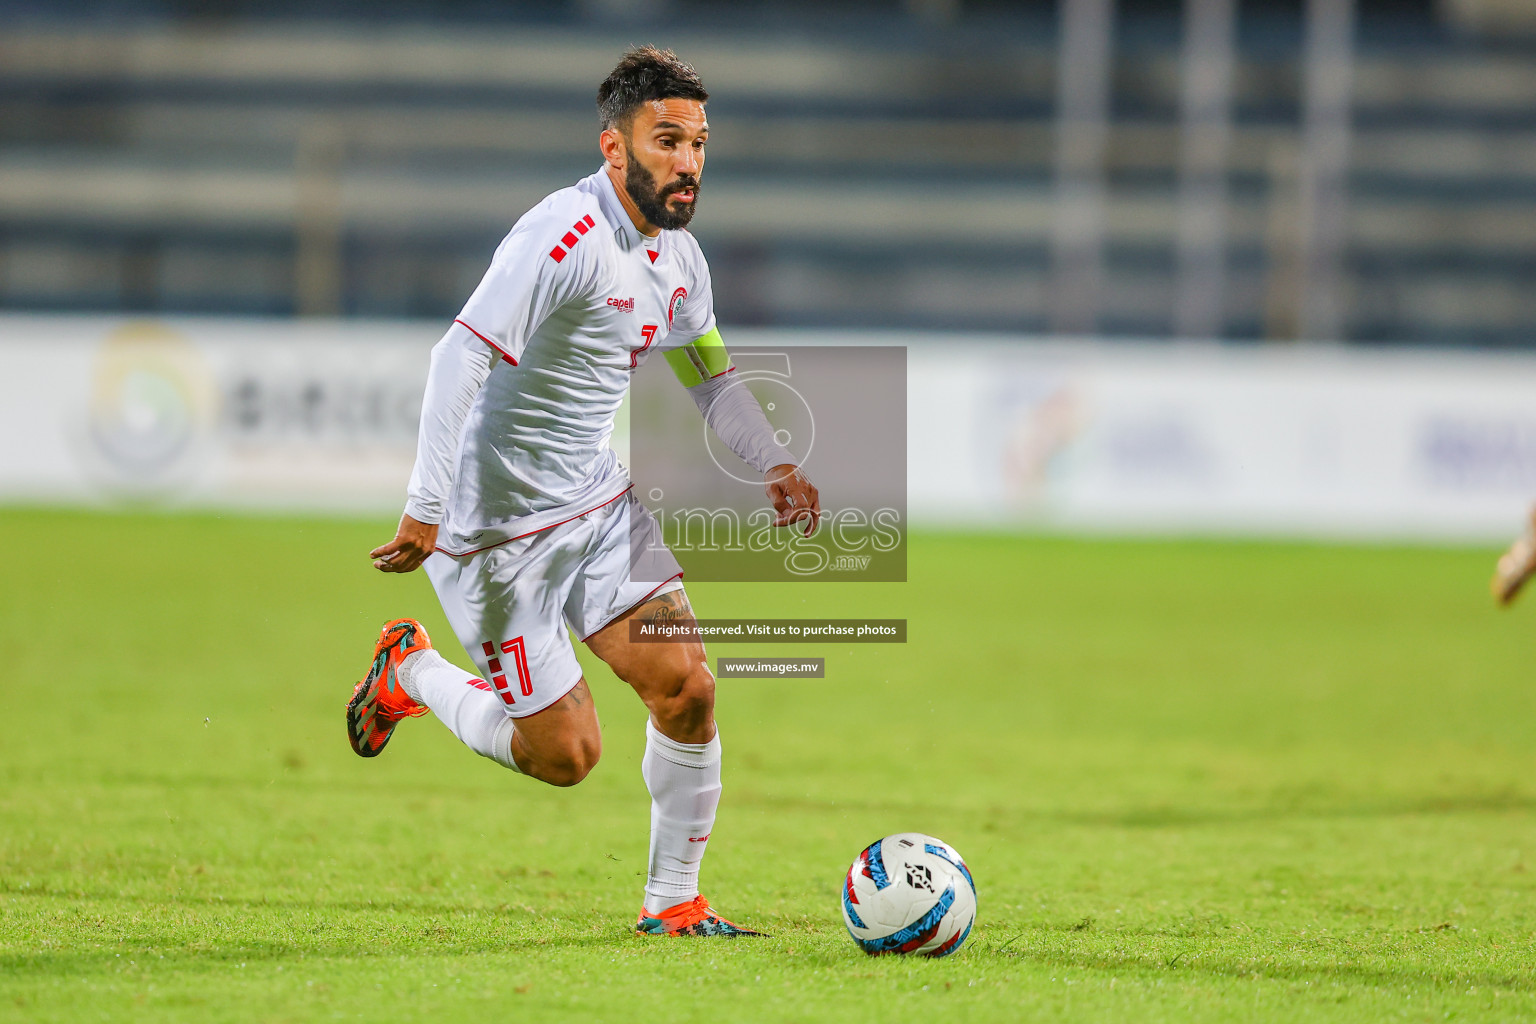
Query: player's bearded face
{"points": [[653, 202]]}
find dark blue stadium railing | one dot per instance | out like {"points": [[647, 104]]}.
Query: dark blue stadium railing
{"points": [[60, 117]]}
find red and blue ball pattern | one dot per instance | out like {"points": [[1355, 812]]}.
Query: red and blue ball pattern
{"points": [[909, 893]]}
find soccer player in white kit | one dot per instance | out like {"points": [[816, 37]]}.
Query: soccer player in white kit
{"points": [[525, 518]]}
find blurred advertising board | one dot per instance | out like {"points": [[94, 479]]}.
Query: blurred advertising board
{"points": [[223, 413], [1264, 441], [1010, 432]]}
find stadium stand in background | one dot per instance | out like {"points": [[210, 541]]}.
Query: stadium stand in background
{"points": [[884, 166]]}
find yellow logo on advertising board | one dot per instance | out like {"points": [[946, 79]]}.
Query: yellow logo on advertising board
{"points": [[150, 410]]}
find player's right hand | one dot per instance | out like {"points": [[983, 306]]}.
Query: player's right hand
{"points": [[413, 542]]}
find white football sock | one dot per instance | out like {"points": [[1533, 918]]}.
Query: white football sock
{"points": [[476, 716], [684, 780]]}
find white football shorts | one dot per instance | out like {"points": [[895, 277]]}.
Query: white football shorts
{"points": [[511, 604]]}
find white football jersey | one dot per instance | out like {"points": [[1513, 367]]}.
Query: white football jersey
{"points": [[575, 300]]}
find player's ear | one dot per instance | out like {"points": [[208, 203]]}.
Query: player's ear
{"points": [[611, 143]]}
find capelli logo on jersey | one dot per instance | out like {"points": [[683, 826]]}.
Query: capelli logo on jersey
{"points": [[623, 305]]}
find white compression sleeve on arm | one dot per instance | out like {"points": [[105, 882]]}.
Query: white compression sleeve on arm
{"points": [[732, 412], [460, 364]]}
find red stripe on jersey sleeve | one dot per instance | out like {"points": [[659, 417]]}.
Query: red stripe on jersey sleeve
{"points": [[504, 353], [557, 254]]}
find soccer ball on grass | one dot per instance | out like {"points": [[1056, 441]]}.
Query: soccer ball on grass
{"points": [[909, 893]]}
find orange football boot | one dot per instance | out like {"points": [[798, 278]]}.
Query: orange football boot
{"points": [[692, 918], [379, 703]]}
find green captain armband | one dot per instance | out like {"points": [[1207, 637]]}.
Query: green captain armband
{"points": [[701, 359]]}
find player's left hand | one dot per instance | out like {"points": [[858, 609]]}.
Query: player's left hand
{"points": [[793, 496]]}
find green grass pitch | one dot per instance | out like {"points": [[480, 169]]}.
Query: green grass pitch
{"points": [[1194, 780]]}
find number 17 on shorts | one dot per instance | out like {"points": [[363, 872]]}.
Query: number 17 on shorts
{"points": [[515, 651]]}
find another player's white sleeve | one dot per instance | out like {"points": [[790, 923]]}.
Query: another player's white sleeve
{"points": [[461, 362]]}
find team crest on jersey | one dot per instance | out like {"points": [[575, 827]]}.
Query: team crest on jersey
{"points": [[675, 303]]}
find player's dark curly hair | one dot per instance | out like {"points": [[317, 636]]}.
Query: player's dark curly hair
{"points": [[645, 73]]}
